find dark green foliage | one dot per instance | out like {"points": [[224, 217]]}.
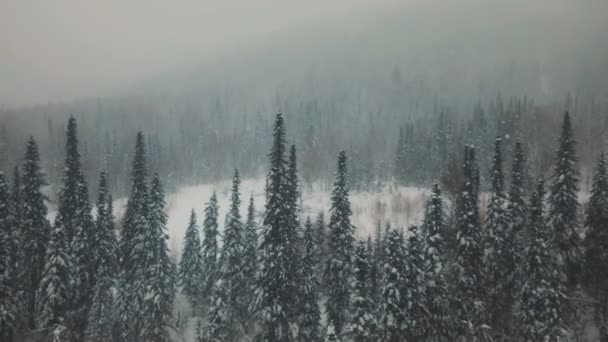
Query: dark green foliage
{"points": [[363, 324], [35, 228], [310, 315], [339, 271], [191, 264], [210, 249], [541, 316]]}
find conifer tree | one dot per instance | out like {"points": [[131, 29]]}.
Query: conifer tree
{"points": [[273, 294], [16, 212], [210, 249], [596, 240], [392, 317], [468, 266], [435, 262], [541, 312], [363, 324], [160, 279], [293, 246], [74, 212], [35, 227], [134, 254], [53, 295], [7, 261], [191, 264], [101, 314], [231, 261], [416, 322], [250, 257], [518, 210], [500, 247], [339, 272], [563, 203], [310, 321]]}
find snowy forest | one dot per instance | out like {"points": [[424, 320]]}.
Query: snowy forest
{"points": [[529, 264], [276, 171]]}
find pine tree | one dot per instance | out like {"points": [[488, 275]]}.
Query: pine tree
{"points": [[363, 322], [16, 212], [101, 314], [416, 323], [392, 310], [541, 311], [468, 266], [7, 262], [160, 279], [500, 248], [191, 264], [231, 264], [518, 210], [35, 227], [250, 257], [74, 212], [563, 203], [339, 272], [310, 315], [53, 295], [435, 264], [210, 249], [596, 240], [293, 246], [273, 294], [134, 252]]}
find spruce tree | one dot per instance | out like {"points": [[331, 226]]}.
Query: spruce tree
{"points": [[339, 272], [16, 208], [500, 248], [35, 227], [210, 249], [74, 212], [191, 264], [231, 263], [392, 318], [468, 265], [7, 261], [435, 264], [53, 295], [518, 210], [416, 322], [220, 325], [310, 315], [541, 316], [563, 203], [134, 253], [250, 256], [363, 324], [273, 294], [293, 246], [101, 313], [596, 240], [160, 279]]}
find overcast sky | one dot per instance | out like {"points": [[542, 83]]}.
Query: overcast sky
{"points": [[54, 50]]}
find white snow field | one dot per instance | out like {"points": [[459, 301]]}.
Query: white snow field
{"points": [[399, 205]]}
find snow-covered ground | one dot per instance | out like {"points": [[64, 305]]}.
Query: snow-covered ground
{"points": [[401, 206]]}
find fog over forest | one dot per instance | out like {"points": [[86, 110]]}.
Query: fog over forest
{"points": [[278, 171]]}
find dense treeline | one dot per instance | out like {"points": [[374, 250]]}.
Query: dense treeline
{"points": [[201, 138], [528, 265]]}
